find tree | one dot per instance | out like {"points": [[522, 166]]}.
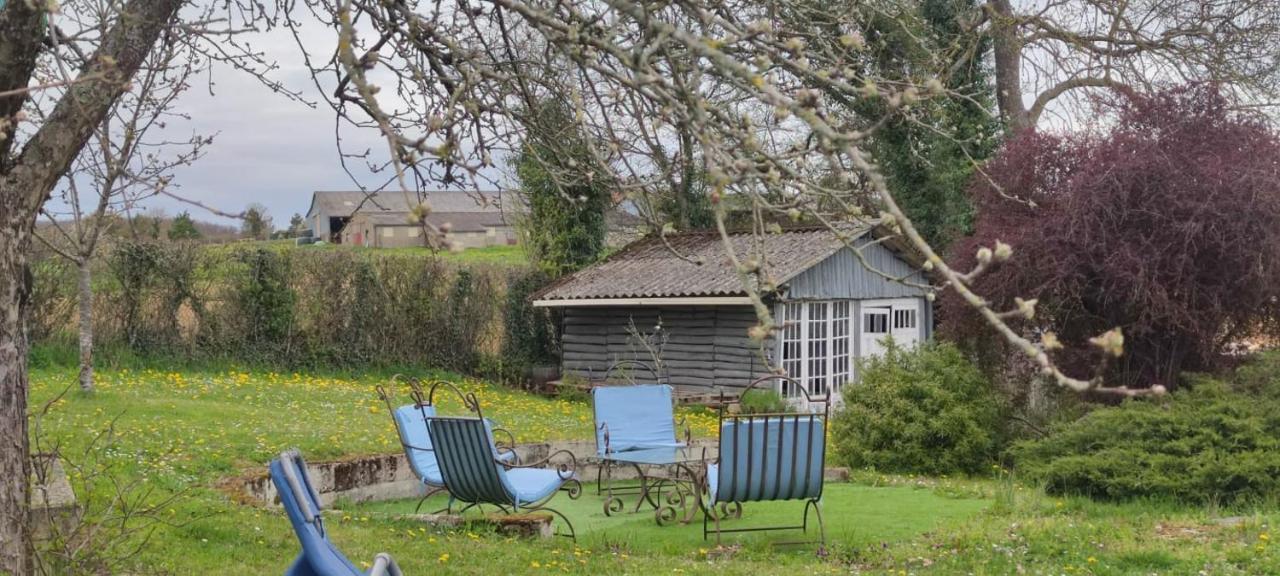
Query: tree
{"points": [[146, 227], [297, 225], [1167, 226], [565, 227], [929, 153], [183, 228], [256, 223], [1069, 50], [27, 175], [757, 93], [45, 122], [126, 163]]}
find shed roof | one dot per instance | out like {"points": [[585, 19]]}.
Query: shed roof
{"points": [[649, 268]]}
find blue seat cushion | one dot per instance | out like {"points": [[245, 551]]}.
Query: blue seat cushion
{"points": [[713, 481], [637, 417], [412, 424], [531, 484], [769, 458]]}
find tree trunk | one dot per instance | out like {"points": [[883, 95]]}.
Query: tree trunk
{"points": [[86, 324], [15, 473], [684, 196], [25, 182], [1007, 48]]}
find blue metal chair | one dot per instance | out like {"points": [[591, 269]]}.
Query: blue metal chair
{"points": [[632, 417], [474, 474], [411, 426], [637, 417], [768, 457], [319, 556]]}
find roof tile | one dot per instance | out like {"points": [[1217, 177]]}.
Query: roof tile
{"points": [[649, 268]]}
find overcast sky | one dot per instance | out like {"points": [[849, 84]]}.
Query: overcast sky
{"points": [[267, 149]]}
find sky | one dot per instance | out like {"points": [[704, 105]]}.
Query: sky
{"points": [[267, 148]]}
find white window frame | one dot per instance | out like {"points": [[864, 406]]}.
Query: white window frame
{"points": [[905, 319], [821, 365]]}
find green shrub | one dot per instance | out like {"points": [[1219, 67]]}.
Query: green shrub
{"points": [[264, 298], [280, 307], [1259, 375], [762, 401], [927, 410], [1207, 444], [528, 332]]}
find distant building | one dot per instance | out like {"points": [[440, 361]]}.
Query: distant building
{"points": [[474, 219], [382, 219]]}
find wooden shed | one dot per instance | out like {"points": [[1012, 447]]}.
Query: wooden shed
{"points": [[681, 303]]}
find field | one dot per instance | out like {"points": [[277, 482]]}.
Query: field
{"points": [[186, 430], [504, 255]]}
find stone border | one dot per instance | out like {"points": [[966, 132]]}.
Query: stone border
{"points": [[389, 477]]}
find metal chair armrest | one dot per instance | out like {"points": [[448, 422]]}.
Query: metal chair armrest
{"points": [[507, 444], [418, 448], [566, 470]]}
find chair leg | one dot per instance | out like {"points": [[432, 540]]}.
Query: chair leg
{"points": [[716, 518], [705, 512], [572, 535], [430, 493], [822, 529]]}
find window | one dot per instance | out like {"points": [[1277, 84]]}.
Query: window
{"points": [[792, 359], [876, 323], [414, 232], [388, 232], [904, 319], [817, 345], [840, 344], [817, 340]]}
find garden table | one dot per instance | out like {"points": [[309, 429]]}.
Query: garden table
{"points": [[671, 481]]}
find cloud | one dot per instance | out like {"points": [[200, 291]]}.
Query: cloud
{"points": [[267, 148]]}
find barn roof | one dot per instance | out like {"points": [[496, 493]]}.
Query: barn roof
{"points": [[652, 268], [346, 203]]}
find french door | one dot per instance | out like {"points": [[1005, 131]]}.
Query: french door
{"points": [[817, 347]]}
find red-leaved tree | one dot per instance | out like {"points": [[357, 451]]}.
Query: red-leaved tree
{"points": [[1167, 225]]}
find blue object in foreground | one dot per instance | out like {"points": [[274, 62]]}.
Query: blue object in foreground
{"points": [[319, 556], [768, 457]]}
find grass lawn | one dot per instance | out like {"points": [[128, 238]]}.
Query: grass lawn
{"points": [[184, 431], [856, 515], [501, 255]]}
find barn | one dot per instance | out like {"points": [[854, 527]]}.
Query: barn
{"points": [[676, 301]]}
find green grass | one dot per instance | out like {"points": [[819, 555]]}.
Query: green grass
{"points": [[508, 255], [186, 431], [502, 255], [856, 515]]}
